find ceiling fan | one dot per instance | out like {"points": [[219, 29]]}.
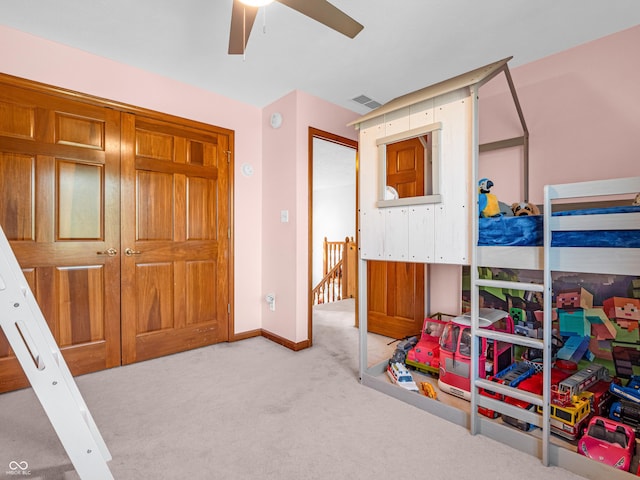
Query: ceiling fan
{"points": [[244, 14]]}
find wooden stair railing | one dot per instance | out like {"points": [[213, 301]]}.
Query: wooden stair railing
{"points": [[329, 289], [339, 270]]}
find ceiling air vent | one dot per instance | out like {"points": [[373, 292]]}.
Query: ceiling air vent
{"points": [[367, 102]]}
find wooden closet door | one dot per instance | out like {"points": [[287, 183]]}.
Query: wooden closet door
{"points": [[175, 238], [59, 207]]}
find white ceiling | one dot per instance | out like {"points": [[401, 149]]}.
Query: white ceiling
{"points": [[405, 45]]}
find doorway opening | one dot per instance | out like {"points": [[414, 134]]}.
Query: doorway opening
{"points": [[332, 220]]}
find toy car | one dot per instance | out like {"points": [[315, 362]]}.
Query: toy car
{"points": [[511, 376], [428, 390], [609, 442], [455, 351], [404, 346], [425, 356], [626, 409], [399, 375]]}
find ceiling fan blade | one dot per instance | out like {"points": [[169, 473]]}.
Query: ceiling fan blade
{"points": [[242, 18], [325, 13]]}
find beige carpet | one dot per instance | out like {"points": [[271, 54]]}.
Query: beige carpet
{"points": [[256, 410]]}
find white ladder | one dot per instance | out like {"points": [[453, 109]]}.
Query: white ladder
{"points": [[544, 345], [35, 348]]}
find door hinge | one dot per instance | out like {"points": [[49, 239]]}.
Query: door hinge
{"points": [[228, 233], [228, 308], [228, 152]]}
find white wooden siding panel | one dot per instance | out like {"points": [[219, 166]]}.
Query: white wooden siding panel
{"points": [[396, 239], [452, 216], [396, 122], [368, 162], [422, 233], [451, 237], [371, 234], [455, 149], [421, 114]]}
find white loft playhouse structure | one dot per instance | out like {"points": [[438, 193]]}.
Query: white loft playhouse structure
{"points": [[440, 227], [436, 227]]}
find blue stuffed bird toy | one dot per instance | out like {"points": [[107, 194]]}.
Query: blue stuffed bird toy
{"points": [[488, 204]]}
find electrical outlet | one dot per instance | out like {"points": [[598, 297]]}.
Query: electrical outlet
{"points": [[271, 300]]}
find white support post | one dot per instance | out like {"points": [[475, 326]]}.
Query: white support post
{"points": [[473, 267], [35, 348], [363, 325]]}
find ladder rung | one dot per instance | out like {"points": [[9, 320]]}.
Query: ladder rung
{"points": [[529, 416], [511, 338], [531, 287], [509, 391]]}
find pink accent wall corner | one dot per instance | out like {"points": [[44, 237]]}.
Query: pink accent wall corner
{"points": [[286, 187], [581, 108]]}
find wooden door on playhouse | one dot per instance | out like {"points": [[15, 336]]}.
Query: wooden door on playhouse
{"points": [[396, 289], [175, 237], [59, 208], [395, 298]]}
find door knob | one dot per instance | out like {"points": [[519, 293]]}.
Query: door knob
{"points": [[110, 252], [129, 251]]}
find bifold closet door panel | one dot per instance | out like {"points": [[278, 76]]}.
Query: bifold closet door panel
{"points": [[175, 238], [59, 207]]}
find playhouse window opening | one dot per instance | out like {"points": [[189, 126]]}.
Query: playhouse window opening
{"points": [[409, 167]]}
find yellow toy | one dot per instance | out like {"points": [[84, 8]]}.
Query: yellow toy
{"points": [[428, 390]]}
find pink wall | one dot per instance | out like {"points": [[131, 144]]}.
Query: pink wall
{"points": [[270, 256], [317, 113], [286, 187], [279, 163], [581, 107], [51, 63]]}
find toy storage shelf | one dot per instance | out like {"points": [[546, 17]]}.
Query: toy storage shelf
{"points": [[561, 453]]}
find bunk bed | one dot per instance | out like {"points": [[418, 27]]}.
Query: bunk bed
{"points": [[593, 240], [442, 227], [547, 257]]}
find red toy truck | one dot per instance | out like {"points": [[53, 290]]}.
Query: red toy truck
{"points": [[425, 356], [511, 376], [573, 402], [533, 384], [455, 351]]}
